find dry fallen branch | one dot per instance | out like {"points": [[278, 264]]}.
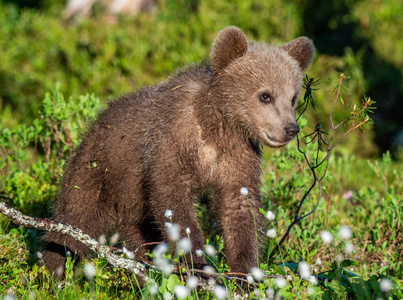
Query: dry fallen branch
{"points": [[102, 250]]}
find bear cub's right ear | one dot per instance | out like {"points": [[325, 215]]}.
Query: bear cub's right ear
{"points": [[302, 50], [230, 44]]}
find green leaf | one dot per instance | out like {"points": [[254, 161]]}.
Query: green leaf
{"points": [[334, 265], [293, 266], [347, 263], [383, 269], [173, 281]]}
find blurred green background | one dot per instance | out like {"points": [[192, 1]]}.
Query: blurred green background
{"points": [[109, 58]]}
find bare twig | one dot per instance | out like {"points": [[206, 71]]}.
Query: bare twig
{"points": [[316, 179]]}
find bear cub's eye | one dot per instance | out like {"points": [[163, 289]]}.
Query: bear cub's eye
{"points": [[265, 97]]}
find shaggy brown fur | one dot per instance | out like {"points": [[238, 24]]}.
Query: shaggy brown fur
{"points": [[161, 147]]}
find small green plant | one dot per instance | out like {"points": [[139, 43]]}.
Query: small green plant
{"points": [[32, 157]]}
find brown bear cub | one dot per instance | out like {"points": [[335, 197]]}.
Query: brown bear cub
{"points": [[163, 146]]}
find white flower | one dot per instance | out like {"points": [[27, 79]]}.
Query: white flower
{"points": [[270, 293], [345, 232], [161, 262], [209, 270], [280, 282], [220, 292], [168, 225], [89, 271], [187, 230], [184, 245], [326, 237], [310, 290], [256, 293], [249, 278], [160, 249], [304, 271], [289, 277], [153, 290], [168, 214], [270, 215], [271, 233], [167, 268], [210, 250], [318, 261], [181, 291], [173, 232], [339, 258], [385, 285], [114, 239], [349, 248], [167, 296], [128, 253], [39, 254], [236, 296], [257, 273], [244, 191], [192, 282], [199, 252], [102, 239], [313, 280]]}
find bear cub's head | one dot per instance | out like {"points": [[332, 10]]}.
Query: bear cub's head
{"points": [[257, 86]]}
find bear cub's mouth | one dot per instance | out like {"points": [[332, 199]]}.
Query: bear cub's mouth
{"points": [[275, 143]]}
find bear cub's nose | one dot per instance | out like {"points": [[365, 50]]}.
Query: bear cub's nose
{"points": [[291, 129]]}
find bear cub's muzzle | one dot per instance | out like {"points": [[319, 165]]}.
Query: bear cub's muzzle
{"points": [[291, 130]]}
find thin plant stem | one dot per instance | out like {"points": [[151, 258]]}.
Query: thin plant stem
{"points": [[191, 256], [317, 180]]}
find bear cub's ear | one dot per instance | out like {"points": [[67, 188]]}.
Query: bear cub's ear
{"points": [[302, 50], [230, 44]]}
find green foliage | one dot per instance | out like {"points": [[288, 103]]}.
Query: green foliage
{"points": [[380, 25], [40, 50], [32, 157]]}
